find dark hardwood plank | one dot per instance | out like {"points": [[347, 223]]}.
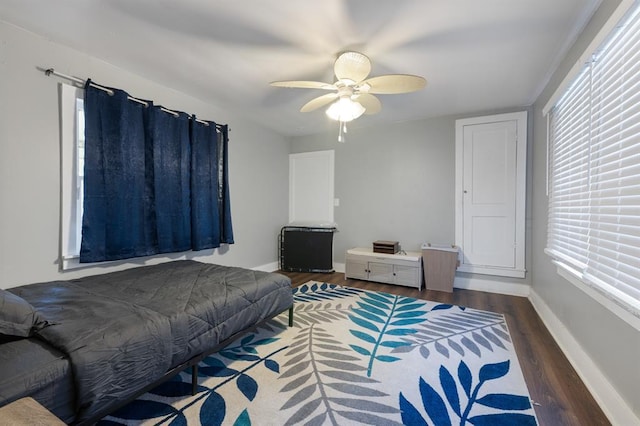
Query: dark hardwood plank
{"points": [[553, 383]]}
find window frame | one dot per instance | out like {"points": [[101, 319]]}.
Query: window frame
{"points": [[624, 305], [71, 190]]}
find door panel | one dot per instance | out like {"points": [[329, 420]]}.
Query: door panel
{"points": [[489, 193], [311, 187], [381, 272], [407, 275], [356, 268]]}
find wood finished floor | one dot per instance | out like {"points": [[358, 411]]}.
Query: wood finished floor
{"points": [[551, 380]]}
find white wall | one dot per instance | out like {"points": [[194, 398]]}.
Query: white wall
{"points": [[605, 349], [30, 161]]}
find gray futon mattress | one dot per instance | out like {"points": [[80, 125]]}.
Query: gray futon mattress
{"points": [[123, 330]]}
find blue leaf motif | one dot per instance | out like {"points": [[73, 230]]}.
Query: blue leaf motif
{"points": [[243, 419], [405, 300], [216, 372], [503, 419], [180, 420], [410, 321], [493, 371], [410, 416], [464, 375], [361, 350], [441, 307], [372, 309], [394, 344], [243, 357], [363, 336], [214, 362], [387, 358], [434, 405], [409, 314], [368, 315], [213, 410], [505, 401], [450, 389], [382, 297], [272, 365], [302, 289], [411, 307], [364, 323], [400, 331], [248, 386], [377, 304]]}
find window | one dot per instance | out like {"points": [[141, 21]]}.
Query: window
{"points": [[72, 174], [594, 170], [189, 160]]}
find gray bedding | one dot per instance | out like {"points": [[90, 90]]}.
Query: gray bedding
{"points": [[124, 330], [31, 367]]}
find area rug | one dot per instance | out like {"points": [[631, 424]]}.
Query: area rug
{"points": [[352, 357]]}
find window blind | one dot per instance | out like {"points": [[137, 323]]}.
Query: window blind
{"points": [[594, 181]]}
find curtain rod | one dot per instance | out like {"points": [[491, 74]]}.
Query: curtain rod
{"points": [[51, 71]]}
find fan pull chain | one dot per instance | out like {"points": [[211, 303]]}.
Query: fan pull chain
{"points": [[342, 131]]}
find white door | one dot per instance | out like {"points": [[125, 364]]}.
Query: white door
{"points": [[489, 194], [491, 185], [311, 187]]}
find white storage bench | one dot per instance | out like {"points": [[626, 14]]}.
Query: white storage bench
{"points": [[400, 269]]}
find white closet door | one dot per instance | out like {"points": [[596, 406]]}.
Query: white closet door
{"points": [[311, 187], [491, 193], [489, 185]]}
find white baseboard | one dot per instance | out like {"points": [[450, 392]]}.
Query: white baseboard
{"points": [[269, 267], [478, 283], [612, 404], [339, 267]]}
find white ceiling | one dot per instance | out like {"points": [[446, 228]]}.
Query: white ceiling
{"points": [[476, 55]]}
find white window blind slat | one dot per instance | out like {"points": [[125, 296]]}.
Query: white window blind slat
{"points": [[594, 167]]}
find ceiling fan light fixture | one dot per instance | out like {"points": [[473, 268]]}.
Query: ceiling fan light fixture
{"points": [[353, 93], [345, 110]]}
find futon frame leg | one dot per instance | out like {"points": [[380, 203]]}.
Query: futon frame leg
{"points": [[194, 379], [291, 316]]}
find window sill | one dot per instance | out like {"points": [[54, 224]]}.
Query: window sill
{"points": [[73, 262], [626, 310]]}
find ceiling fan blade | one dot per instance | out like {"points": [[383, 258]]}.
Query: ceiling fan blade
{"points": [[303, 84], [371, 104], [394, 83], [316, 103], [352, 66]]}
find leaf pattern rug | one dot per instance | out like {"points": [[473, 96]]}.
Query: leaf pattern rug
{"points": [[352, 357]]}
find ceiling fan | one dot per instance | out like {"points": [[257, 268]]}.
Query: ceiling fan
{"points": [[352, 94]]}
